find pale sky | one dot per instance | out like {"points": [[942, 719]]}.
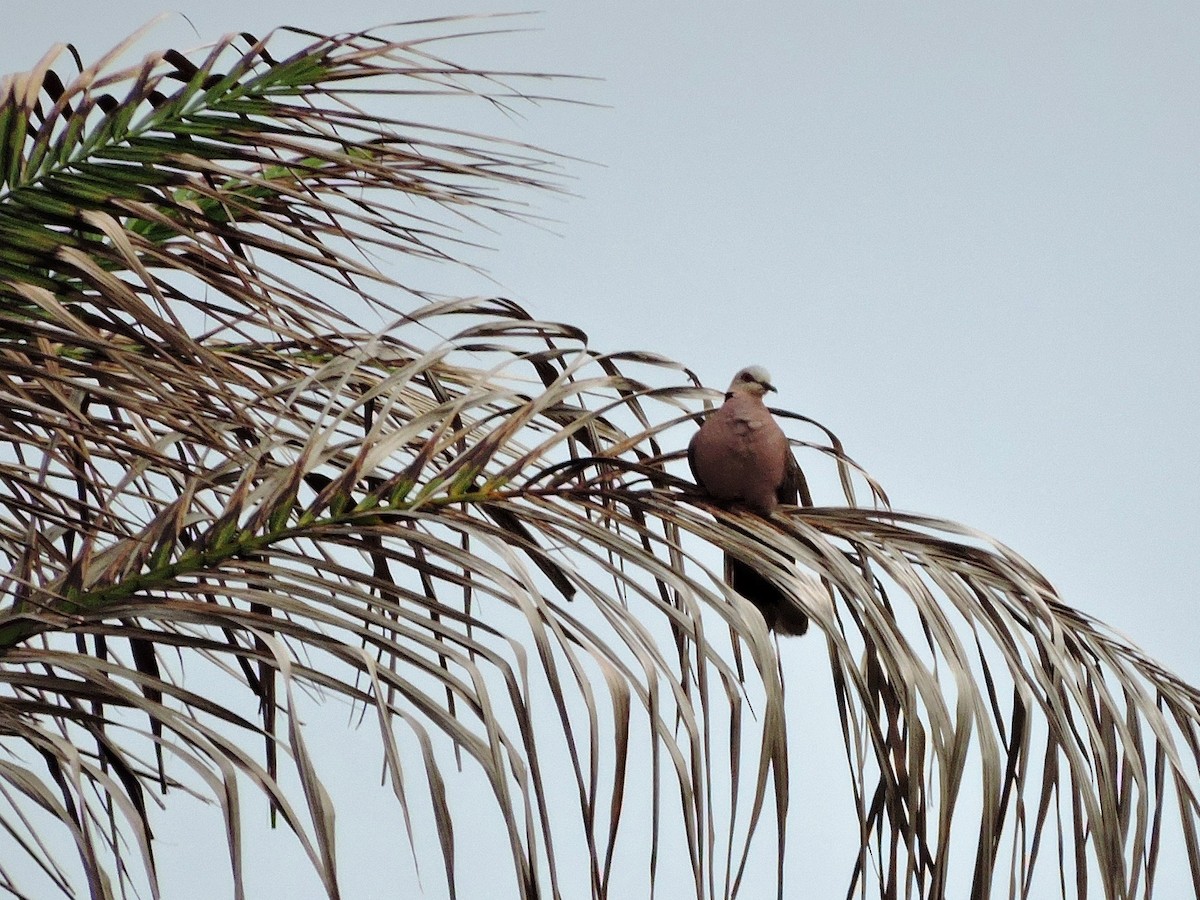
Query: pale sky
{"points": [[964, 236]]}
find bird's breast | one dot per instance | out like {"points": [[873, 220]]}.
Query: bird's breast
{"points": [[747, 426]]}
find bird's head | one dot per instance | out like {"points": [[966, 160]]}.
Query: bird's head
{"points": [[753, 380]]}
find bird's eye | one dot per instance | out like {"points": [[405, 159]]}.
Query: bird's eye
{"points": [[746, 376]]}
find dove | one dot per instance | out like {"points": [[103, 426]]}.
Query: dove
{"points": [[741, 457]]}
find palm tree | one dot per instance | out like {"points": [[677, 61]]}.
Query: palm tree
{"points": [[225, 499]]}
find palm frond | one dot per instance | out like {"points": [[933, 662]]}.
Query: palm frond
{"points": [[223, 496]]}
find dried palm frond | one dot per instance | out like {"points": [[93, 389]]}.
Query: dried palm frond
{"points": [[221, 494]]}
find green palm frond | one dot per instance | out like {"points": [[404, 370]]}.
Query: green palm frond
{"points": [[221, 495]]}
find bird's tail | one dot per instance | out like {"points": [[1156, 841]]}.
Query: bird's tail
{"points": [[781, 612]]}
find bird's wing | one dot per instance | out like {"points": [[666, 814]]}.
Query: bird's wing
{"points": [[794, 487], [692, 459]]}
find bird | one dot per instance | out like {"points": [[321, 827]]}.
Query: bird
{"points": [[741, 457]]}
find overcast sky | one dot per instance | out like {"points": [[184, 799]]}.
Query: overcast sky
{"points": [[964, 236]]}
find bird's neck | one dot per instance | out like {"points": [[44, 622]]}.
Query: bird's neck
{"points": [[743, 396]]}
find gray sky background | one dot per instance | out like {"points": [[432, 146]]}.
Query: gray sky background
{"points": [[964, 236]]}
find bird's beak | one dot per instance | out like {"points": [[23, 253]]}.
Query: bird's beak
{"points": [[771, 387]]}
